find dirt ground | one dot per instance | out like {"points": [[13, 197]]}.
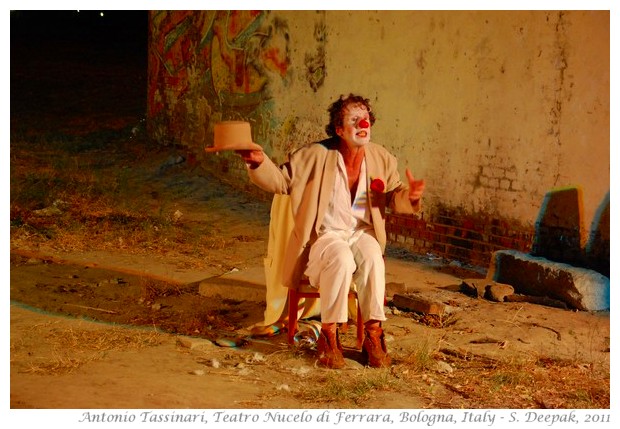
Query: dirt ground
{"points": [[118, 328], [83, 327]]}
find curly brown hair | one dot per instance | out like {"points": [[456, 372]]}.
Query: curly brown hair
{"points": [[337, 108]]}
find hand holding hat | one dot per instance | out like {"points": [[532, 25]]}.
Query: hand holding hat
{"points": [[233, 135]]}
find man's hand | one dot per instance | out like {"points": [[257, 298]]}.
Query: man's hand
{"points": [[253, 158], [416, 187]]}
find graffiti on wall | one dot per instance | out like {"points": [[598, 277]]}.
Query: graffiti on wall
{"points": [[247, 51], [206, 65], [315, 62]]}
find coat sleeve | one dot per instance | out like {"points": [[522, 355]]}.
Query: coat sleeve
{"points": [[271, 178]]}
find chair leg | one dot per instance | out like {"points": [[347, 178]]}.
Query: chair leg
{"points": [[360, 327], [293, 311]]}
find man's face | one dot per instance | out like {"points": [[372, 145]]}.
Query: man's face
{"points": [[355, 129]]}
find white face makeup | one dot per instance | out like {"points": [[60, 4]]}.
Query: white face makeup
{"points": [[355, 129]]}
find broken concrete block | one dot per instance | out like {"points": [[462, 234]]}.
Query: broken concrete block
{"points": [[498, 291], [580, 288], [475, 287], [418, 304], [487, 289]]}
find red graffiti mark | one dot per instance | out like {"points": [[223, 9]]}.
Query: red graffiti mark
{"points": [[239, 68], [273, 55], [239, 21]]}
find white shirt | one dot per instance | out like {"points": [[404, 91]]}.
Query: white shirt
{"points": [[341, 215]]}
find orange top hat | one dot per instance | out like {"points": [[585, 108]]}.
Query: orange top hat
{"points": [[233, 135]]}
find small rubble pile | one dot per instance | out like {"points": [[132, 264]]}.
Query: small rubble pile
{"points": [[502, 292]]}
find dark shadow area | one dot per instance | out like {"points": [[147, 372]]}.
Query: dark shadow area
{"points": [[83, 26], [74, 71]]}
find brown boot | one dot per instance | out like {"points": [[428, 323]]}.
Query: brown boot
{"points": [[330, 349], [374, 349]]}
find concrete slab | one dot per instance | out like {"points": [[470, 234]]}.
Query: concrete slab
{"points": [[242, 285], [580, 288], [250, 284]]}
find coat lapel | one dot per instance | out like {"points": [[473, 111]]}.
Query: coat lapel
{"points": [[329, 178], [371, 166], [373, 171]]}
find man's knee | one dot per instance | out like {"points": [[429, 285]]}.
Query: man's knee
{"points": [[372, 261], [343, 261]]}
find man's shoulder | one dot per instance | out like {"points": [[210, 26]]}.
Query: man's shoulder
{"points": [[377, 148]]}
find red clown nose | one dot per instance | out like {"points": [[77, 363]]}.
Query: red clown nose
{"points": [[364, 123]]}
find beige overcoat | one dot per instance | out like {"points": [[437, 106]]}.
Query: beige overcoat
{"points": [[308, 176]]}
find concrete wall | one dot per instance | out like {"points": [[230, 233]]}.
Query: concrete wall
{"points": [[493, 108]]}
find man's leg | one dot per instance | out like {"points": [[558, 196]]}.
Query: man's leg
{"points": [[369, 277], [370, 280], [331, 266]]}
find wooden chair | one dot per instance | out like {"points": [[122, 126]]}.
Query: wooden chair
{"points": [[304, 290], [280, 228]]}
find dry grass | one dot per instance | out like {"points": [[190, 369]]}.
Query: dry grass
{"points": [[66, 350], [350, 389], [473, 382], [526, 382], [115, 338], [153, 289], [78, 198]]}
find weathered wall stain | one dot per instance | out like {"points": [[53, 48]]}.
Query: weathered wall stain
{"points": [[315, 62]]}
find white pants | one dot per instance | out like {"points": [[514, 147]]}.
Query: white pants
{"points": [[336, 259]]}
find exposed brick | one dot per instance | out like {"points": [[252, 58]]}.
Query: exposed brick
{"points": [[452, 233], [504, 184]]}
